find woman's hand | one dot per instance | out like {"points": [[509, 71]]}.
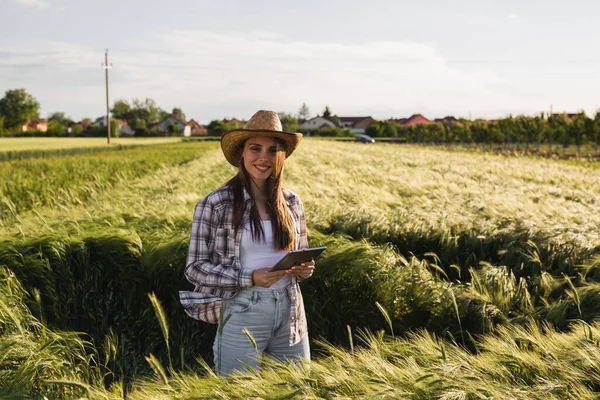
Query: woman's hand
{"points": [[265, 278], [304, 270]]}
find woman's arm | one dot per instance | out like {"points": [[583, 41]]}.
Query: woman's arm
{"points": [[199, 268]]}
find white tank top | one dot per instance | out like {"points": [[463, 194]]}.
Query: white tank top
{"points": [[258, 254]]}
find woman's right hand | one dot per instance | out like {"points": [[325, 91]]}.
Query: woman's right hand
{"points": [[265, 278]]}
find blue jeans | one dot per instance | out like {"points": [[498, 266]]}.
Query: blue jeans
{"points": [[266, 315]]}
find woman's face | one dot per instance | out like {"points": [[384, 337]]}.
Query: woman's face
{"points": [[259, 155]]}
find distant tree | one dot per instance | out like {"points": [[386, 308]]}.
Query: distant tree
{"points": [[289, 122], [374, 130], [147, 110], [18, 108], [303, 113], [596, 130], [389, 129], [115, 129], [496, 134], [96, 131], [57, 116], [121, 109], [154, 131], [60, 117], [330, 117], [77, 129], [216, 128], [479, 132], [140, 110], [140, 127], [508, 128], [56, 128], [562, 129], [1, 126], [578, 127], [232, 125], [456, 132], [177, 112], [173, 128], [435, 133], [520, 129], [138, 124]]}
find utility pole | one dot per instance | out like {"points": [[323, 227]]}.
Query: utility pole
{"points": [[106, 67]]}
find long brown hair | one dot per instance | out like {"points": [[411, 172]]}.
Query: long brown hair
{"points": [[284, 233]]}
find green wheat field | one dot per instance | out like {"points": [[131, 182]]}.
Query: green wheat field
{"points": [[448, 274]]}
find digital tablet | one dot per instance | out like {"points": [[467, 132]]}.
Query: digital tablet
{"points": [[297, 257]]}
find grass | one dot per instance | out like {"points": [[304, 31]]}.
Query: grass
{"points": [[54, 143], [59, 181], [515, 363], [57, 147], [500, 242], [389, 193], [36, 361]]}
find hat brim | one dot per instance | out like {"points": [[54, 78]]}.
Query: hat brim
{"points": [[231, 142]]}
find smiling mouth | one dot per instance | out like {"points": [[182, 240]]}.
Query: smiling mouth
{"points": [[262, 168]]}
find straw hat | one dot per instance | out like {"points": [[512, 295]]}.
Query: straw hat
{"points": [[262, 123]]}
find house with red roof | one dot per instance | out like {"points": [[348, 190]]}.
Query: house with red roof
{"points": [[40, 125], [196, 129], [416, 119]]}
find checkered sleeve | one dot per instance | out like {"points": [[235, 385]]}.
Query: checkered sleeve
{"points": [[302, 221], [203, 266]]}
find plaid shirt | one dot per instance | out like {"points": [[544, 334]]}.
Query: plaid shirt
{"points": [[213, 262]]}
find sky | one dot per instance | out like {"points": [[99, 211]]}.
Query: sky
{"points": [[219, 59]]}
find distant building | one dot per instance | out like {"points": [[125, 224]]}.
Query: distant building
{"points": [[184, 128], [399, 121], [356, 124], [567, 115], [316, 123], [123, 125], [233, 121], [85, 123], [196, 129], [417, 119], [447, 120], [36, 125], [414, 119]]}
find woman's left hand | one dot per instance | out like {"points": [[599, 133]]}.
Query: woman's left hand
{"points": [[304, 270]]}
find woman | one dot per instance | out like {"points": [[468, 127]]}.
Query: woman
{"points": [[239, 231]]}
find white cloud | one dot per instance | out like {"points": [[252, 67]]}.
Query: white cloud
{"points": [[214, 75], [513, 16], [34, 3], [252, 69]]}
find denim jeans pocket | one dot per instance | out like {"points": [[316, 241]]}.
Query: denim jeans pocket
{"points": [[242, 302]]}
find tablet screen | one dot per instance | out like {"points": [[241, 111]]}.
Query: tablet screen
{"points": [[296, 257]]}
